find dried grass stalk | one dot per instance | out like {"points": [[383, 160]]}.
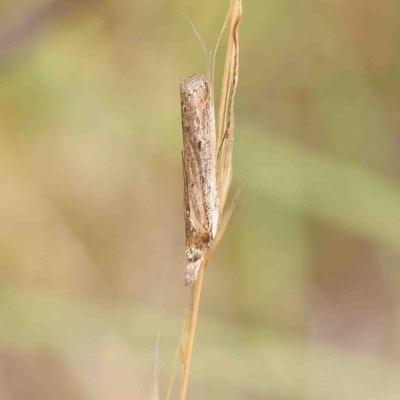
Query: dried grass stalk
{"points": [[224, 149]]}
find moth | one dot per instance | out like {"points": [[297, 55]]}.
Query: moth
{"points": [[199, 158]]}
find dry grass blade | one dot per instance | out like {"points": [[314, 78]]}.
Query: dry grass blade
{"points": [[224, 149], [213, 59], [226, 111], [223, 225], [230, 68], [225, 169]]}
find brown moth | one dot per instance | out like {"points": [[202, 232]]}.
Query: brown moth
{"points": [[199, 156]]}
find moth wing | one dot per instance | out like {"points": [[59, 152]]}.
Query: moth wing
{"points": [[186, 206]]}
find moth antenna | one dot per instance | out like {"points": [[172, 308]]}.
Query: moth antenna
{"points": [[207, 54]]}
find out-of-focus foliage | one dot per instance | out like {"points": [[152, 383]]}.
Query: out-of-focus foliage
{"points": [[301, 299]]}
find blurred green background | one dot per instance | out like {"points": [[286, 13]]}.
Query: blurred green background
{"points": [[301, 299]]}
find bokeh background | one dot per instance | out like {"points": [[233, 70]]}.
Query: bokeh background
{"points": [[301, 299]]}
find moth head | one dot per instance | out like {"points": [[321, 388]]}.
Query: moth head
{"points": [[197, 254], [194, 254]]}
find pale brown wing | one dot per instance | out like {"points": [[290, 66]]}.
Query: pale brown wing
{"points": [[199, 162]]}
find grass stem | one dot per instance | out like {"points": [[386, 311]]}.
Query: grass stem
{"points": [[188, 344]]}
